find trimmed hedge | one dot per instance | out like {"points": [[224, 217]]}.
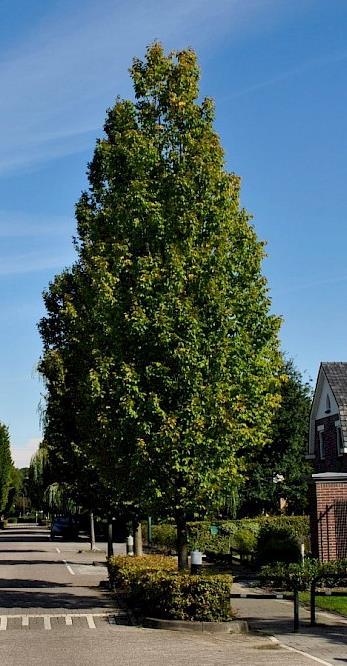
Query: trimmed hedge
{"points": [[277, 544], [156, 588], [241, 534], [300, 576], [123, 569]]}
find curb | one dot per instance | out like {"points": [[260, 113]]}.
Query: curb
{"points": [[232, 627]]}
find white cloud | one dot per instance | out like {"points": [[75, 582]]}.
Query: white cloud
{"points": [[22, 454], [55, 88]]}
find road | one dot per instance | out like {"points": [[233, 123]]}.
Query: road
{"points": [[55, 609]]}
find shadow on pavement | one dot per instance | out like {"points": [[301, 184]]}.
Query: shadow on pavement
{"points": [[333, 633], [25, 582], [64, 601]]}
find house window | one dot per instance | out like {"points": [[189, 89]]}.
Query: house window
{"points": [[339, 439], [321, 442], [327, 405]]}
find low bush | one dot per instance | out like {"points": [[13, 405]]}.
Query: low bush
{"points": [[300, 576], [156, 587], [240, 534], [184, 597], [277, 544], [12, 521], [122, 569], [245, 540], [3, 524]]}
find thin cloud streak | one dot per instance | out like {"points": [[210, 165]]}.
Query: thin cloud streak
{"points": [[55, 89], [22, 225], [33, 262], [296, 71]]}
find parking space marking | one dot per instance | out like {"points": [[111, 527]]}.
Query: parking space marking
{"points": [[69, 568], [58, 550], [90, 622], [47, 622], [3, 623], [68, 620], [25, 620]]}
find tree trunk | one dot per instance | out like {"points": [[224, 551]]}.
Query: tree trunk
{"points": [[110, 538], [182, 540], [138, 552], [92, 531]]}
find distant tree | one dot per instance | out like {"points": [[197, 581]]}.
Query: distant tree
{"points": [[6, 466], [284, 454]]}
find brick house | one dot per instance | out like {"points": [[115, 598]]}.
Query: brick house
{"points": [[327, 450]]}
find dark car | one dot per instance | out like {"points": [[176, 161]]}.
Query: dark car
{"points": [[65, 527]]}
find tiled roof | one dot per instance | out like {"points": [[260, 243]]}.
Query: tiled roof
{"points": [[336, 374]]}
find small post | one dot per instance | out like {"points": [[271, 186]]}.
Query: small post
{"points": [[313, 603], [130, 544], [149, 530], [296, 609], [110, 538], [302, 551]]}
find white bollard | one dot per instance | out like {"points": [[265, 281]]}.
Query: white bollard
{"points": [[195, 561], [130, 545], [302, 550]]}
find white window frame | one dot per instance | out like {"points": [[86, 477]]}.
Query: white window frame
{"points": [[339, 439], [320, 430]]}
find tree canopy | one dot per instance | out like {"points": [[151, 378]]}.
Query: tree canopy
{"points": [[284, 454], [6, 466], [160, 342]]}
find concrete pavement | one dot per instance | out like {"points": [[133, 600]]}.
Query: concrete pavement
{"points": [[55, 609]]}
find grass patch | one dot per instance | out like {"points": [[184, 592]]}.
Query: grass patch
{"points": [[332, 604]]}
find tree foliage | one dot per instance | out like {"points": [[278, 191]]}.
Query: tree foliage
{"points": [[160, 340], [6, 466], [284, 454]]}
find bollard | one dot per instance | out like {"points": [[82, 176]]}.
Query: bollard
{"points": [[296, 610], [130, 545], [195, 561]]}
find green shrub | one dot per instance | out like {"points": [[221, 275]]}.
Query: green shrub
{"points": [[164, 536], [300, 576], [184, 597], [245, 540], [12, 521], [122, 569], [156, 587], [3, 524], [277, 544]]}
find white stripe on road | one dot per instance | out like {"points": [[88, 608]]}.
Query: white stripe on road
{"points": [[3, 623], [68, 620], [90, 621], [69, 568], [47, 622], [58, 550], [25, 620]]}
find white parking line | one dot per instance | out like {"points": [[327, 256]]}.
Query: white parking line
{"points": [[90, 621], [25, 620], [58, 550], [69, 568], [47, 622], [68, 620], [3, 623]]}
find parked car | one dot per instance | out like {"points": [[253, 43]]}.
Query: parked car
{"points": [[65, 527]]}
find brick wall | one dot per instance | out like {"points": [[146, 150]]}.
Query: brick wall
{"points": [[328, 512], [332, 462]]}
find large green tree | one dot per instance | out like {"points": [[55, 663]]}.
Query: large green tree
{"points": [[280, 469], [177, 352], [6, 466]]}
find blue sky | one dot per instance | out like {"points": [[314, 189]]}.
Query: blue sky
{"points": [[278, 72]]}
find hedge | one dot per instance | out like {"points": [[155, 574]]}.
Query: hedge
{"points": [[300, 576], [157, 589], [241, 534]]}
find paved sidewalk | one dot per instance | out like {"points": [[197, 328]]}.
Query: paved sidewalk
{"points": [[327, 641]]}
